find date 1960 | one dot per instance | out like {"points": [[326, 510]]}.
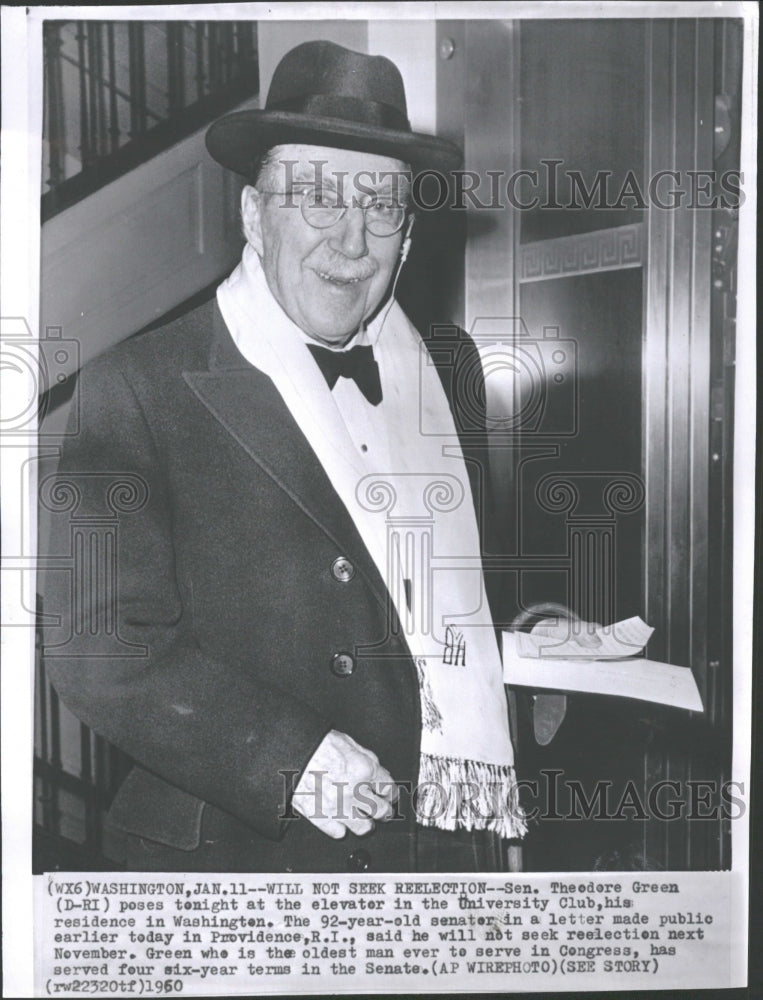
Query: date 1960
{"points": [[115, 987]]}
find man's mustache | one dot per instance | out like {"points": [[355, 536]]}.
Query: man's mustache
{"points": [[341, 268]]}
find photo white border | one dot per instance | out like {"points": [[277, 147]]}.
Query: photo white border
{"points": [[20, 186]]}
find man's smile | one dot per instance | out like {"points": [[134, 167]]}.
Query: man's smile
{"points": [[336, 280], [341, 280]]}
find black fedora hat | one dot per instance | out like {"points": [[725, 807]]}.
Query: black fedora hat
{"points": [[323, 94]]}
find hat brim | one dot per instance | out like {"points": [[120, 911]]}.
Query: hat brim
{"points": [[239, 140]]}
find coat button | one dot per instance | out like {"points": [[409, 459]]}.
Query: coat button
{"points": [[358, 861], [342, 570], [342, 664]]}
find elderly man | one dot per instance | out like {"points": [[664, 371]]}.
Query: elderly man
{"points": [[307, 674]]}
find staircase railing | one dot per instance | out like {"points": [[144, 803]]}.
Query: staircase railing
{"points": [[118, 92]]}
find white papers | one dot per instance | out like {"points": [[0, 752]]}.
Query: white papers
{"points": [[647, 680], [626, 638]]}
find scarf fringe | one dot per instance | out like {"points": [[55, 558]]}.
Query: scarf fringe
{"points": [[469, 794]]}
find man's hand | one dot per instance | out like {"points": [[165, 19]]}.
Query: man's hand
{"points": [[564, 629], [344, 787]]}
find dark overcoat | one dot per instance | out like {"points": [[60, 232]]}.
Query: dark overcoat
{"points": [[197, 620]]}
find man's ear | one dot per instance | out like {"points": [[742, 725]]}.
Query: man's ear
{"points": [[251, 217]]}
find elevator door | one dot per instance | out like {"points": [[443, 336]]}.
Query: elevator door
{"points": [[610, 452]]}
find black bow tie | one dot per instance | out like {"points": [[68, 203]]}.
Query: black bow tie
{"points": [[358, 363]]}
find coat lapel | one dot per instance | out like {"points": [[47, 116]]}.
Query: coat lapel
{"points": [[250, 408]]}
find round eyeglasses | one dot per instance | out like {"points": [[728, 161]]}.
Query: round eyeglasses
{"points": [[321, 209]]}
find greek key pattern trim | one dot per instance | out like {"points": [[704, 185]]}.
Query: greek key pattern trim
{"points": [[605, 250]]}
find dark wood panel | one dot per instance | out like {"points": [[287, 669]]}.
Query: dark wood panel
{"points": [[590, 433], [589, 440], [582, 94]]}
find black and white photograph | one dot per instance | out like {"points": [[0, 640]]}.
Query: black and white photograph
{"points": [[378, 463]]}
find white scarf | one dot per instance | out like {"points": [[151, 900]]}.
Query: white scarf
{"points": [[417, 520]]}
